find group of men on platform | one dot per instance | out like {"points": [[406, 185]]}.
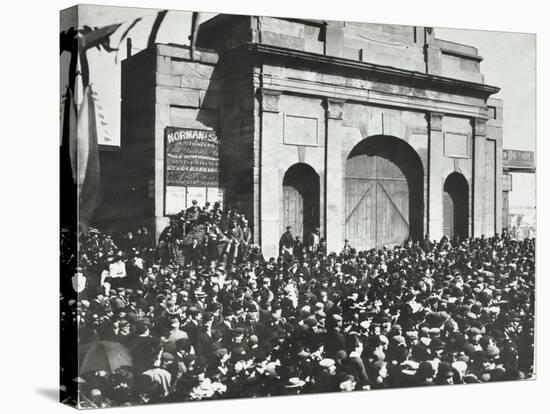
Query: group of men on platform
{"points": [[205, 234]]}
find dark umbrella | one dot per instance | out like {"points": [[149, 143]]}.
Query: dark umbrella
{"points": [[103, 355]]}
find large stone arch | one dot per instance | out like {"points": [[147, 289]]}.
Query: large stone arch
{"points": [[383, 192]]}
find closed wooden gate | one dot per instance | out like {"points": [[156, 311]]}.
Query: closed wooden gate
{"points": [[293, 210], [377, 203], [448, 215], [300, 202], [381, 175]]}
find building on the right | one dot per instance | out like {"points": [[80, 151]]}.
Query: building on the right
{"points": [[518, 219]]}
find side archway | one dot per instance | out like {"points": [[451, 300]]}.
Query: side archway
{"points": [[300, 207], [455, 206]]}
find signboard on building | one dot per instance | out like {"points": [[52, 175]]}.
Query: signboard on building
{"points": [[191, 168], [518, 159], [192, 157]]}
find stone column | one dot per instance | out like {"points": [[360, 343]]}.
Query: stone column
{"points": [[334, 180], [270, 185], [162, 117], [435, 180], [478, 190]]}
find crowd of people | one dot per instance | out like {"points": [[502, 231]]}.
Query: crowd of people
{"points": [[203, 315]]}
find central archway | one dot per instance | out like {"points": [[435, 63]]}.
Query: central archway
{"points": [[383, 193]]}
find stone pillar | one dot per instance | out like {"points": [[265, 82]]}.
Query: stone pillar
{"points": [[435, 180], [499, 192], [334, 180], [162, 117], [270, 185], [478, 191]]}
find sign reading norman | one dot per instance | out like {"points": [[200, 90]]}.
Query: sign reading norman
{"points": [[192, 157], [191, 168]]}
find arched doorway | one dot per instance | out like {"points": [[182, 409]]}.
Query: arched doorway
{"points": [[300, 202], [383, 193], [455, 206]]}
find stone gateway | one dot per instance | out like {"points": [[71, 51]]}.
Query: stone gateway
{"points": [[372, 133]]}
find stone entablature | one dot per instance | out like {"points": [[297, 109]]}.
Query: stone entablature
{"points": [[414, 48]]}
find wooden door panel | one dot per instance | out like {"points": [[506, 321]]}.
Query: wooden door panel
{"points": [[361, 166], [377, 203], [293, 205], [360, 212], [448, 215], [392, 225]]}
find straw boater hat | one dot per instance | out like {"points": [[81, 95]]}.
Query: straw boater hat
{"points": [[294, 382], [327, 362]]}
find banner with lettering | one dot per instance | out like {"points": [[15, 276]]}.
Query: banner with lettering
{"points": [[192, 157]]}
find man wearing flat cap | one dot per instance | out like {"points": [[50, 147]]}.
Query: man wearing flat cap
{"points": [[324, 380]]}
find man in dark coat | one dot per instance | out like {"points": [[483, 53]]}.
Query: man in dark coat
{"points": [[192, 215], [246, 240], [334, 339], [286, 244]]}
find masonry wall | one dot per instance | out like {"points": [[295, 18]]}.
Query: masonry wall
{"points": [[187, 95], [361, 121], [494, 132], [271, 112], [237, 135], [136, 169], [292, 131], [440, 125]]}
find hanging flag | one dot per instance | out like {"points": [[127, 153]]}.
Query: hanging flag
{"points": [[69, 125], [98, 37], [88, 159], [66, 40], [195, 22]]}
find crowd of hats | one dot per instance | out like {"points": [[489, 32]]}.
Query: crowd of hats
{"points": [[425, 313]]}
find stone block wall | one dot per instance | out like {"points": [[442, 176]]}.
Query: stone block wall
{"points": [[274, 111], [237, 136], [187, 95], [494, 131], [136, 164]]}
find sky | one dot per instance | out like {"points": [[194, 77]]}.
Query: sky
{"points": [[509, 63]]}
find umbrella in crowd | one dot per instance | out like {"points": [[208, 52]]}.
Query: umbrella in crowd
{"points": [[103, 356]]}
